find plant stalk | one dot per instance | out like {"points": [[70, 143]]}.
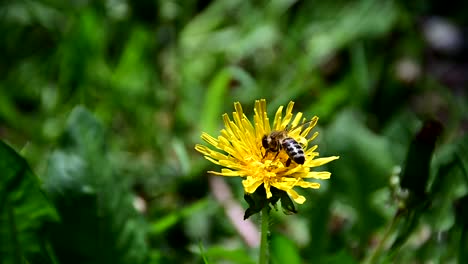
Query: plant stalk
{"points": [[264, 252]]}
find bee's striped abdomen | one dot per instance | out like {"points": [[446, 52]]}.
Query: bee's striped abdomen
{"points": [[294, 150]]}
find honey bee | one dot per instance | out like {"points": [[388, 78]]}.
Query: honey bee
{"points": [[278, 140]]}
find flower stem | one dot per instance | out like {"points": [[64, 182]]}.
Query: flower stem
{"points": [[263, 257]]}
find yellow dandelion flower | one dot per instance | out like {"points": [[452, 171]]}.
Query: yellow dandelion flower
{"points": [[242, 153]]}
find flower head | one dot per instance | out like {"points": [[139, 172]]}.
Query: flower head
{"points": [[241, 152]]}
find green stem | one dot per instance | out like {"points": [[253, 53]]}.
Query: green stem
{"points": [[263, 257], [377, 252]]}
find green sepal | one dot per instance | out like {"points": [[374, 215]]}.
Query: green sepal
{"points": [[286, 203], [257, 201]]}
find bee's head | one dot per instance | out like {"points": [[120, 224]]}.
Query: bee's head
{"points": [[266, 141]]}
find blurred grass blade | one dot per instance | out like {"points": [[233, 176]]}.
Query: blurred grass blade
{"points": [[24, 211], [132, 75], [166, 222], [218, 254], [407, 224], [214, 101], [202, 252], [99, 223]]}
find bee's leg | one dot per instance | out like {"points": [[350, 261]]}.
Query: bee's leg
{"points": [[266, 152], [276, 155], [288, 162]]}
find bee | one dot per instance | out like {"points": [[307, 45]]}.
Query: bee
{"points": [[280, 140]]}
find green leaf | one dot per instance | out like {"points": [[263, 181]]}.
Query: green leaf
{"points": [[342, 257], [81, 49], [24, 211], [218, 254], [283, 250], [461, 210], [414, 178], [168, 221], [416, 169], [364, 167], [360, 18], [99, 223], [132, 75]]}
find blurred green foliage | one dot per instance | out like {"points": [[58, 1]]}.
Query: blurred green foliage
{"points": [[105, 100], [24, 211]]}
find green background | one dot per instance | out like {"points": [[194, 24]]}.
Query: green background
{"points": [[102, 102]]}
